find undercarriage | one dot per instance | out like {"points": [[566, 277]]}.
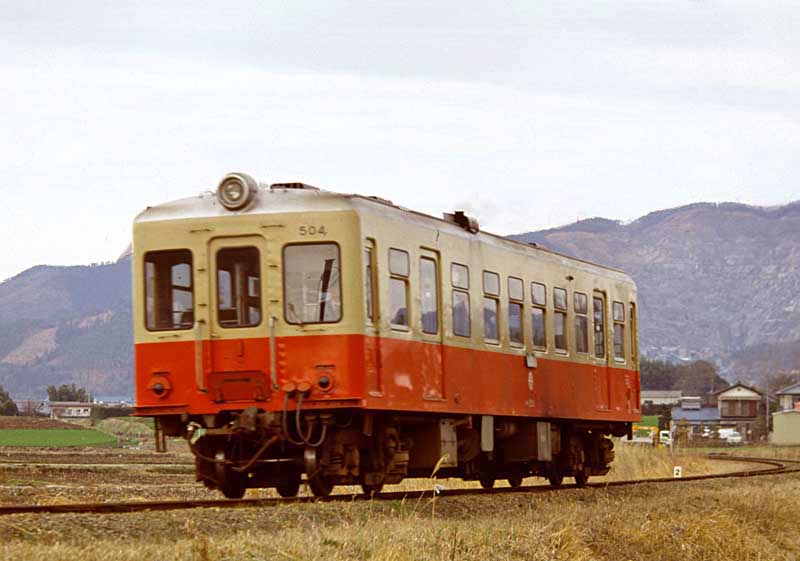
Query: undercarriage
{"points": [[252, 448]]}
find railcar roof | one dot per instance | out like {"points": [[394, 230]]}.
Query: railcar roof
{"points": [[279, 200]]}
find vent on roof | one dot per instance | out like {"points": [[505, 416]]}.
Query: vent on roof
{"points": [[469, 223], [293, 186]]}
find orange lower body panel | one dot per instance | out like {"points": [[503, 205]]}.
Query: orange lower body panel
{"points": [[378, 373]]}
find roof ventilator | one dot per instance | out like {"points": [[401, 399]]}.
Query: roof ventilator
{"points": [[293, 186], [469, 223]]}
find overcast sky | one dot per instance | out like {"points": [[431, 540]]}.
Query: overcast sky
{"points": [[528, 114]]}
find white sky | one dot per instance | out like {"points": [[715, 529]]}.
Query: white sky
{"points": [[528, 114]]}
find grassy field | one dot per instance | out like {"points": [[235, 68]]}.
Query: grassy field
{"points": [[54, 438]]}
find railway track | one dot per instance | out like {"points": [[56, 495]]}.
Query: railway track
{"points": [[766, 467]]}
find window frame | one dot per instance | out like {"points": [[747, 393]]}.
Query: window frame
{"points": [[495, 298], [564, 314], [436, 301], [578, 315], [260, 297], [283, 281], [454, 289], [406, 279], [615, 322], [191, 289], [520, 304], [599, 296]]}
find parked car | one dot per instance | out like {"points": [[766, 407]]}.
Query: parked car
{"points": [[731, 436], [665, 438]]}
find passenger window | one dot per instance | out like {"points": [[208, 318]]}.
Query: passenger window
{"points": [[599, 327], [581, 323], [459, 278], [238, 287], [538, 315], [560, 319], [398, 288], [168, 290], [516, 293], [491, 306], [618, 313], [429, 292], [312, 287]]}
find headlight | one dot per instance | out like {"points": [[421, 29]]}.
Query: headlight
{"points": [[236, 190]]}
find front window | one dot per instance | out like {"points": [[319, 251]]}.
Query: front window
{"points": [[312, 283], [238, 287], [168, 290]]}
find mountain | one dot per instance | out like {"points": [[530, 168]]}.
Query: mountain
{"points": [[719, 282], [67, 324], [716, 281]]}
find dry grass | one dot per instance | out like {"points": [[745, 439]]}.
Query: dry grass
{"points": [[752, 519]]}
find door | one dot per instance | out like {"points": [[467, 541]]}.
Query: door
{"points": [[430, 325], [372, 372], [600, 351], [236, 363]]}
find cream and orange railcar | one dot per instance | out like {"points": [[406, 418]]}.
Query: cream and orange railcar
{"points": [[286, 330]]}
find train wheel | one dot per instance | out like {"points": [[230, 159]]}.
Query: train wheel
{"points": [[232, 484], [581, 477], [515, 481], [556, 479], [486, 480], [289, 484], [320, 485], [370, 490]]}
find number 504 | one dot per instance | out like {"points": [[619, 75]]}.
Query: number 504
{"points": [[312, 231]]}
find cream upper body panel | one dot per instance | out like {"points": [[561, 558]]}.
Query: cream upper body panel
{"points": [[277, 217]]}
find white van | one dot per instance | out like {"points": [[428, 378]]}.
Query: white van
{"points": [[665, 438]]}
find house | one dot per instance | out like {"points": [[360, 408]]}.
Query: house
{"points": [[68, 409], [786, 426], [736, 407], [788, 397], [661, 397]]}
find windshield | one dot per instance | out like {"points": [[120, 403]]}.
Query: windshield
{"points": [[312, 283]]}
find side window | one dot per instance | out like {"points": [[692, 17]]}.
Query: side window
{"points": [[538, 315], [429, 293], [491, 306], [238, 287], [581, 323], [168, 290], [459, 279], [599, 327], [560, 319], [369, 282], [618, 313], [516, 294], [398, 287]]}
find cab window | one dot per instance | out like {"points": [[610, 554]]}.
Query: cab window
{"points": [[238, 287], [168, 290], [312, 288]]}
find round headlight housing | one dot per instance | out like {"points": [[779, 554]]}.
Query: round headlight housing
{"points": [[236, 190]]}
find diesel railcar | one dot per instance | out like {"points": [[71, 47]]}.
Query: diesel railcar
{"points": [[294, 334]]}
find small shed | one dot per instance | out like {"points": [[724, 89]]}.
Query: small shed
{"points": [[786, 427]]}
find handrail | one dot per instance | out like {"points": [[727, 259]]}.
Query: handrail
{"points": [[198, 355]]}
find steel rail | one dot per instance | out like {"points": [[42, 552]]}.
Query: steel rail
{"points": [[775, 467]]}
